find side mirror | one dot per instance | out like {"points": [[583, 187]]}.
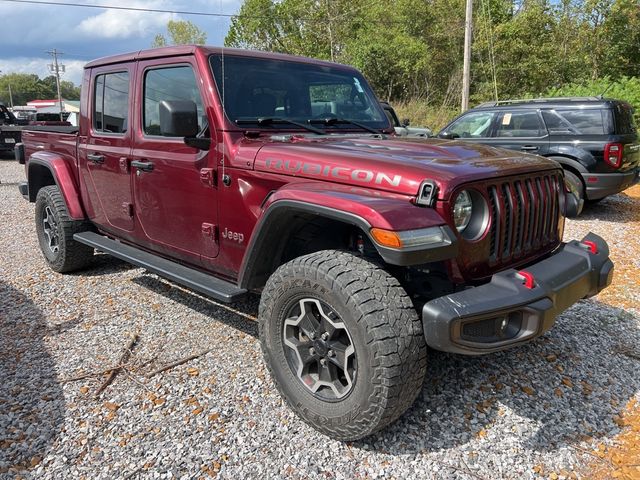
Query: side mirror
{"points": [[405, 122], [448, 135], [178, 118]]}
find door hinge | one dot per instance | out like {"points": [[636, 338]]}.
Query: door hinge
{"points": [[210, 230], [127, 209], [208, 176]]}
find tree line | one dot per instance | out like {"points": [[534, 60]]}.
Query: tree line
{"points": [[28, 86], [412, 50]]}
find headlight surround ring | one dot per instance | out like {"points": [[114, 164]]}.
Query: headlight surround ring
{"points": [[470, 214]]}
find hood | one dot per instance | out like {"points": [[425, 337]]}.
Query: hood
{"points": [[393, 164]]}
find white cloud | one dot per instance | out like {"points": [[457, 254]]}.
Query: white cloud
{"points": [[39, 66], [126, 23]]}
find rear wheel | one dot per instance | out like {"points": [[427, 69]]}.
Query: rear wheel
{"points": [[55, 233], [343, 343]]}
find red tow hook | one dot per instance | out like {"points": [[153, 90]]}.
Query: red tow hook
{"points": [[591, 246], [529, 281]]}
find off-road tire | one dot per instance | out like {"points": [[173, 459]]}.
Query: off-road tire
{"points": [[390, 348], [575, 186], [70, 255]]}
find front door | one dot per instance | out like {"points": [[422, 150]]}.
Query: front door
{"points": [[104, 154], [173, 184]]}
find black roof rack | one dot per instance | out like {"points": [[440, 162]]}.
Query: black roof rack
{"points": [[540, 100]]}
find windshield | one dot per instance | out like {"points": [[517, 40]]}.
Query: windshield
{"points": [[255, 88]]}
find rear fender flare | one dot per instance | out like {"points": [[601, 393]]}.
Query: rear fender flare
{"points": [[44, 166], [580, 160]]}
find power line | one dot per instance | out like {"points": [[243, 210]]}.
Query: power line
{"points": [[338, 18], [114, 7]]}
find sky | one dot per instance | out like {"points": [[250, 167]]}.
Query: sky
{"points": [[28, 31]]}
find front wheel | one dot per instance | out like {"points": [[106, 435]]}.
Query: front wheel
{"points": [[343, 343]]}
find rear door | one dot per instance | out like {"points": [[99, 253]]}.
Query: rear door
{"points": [[104, 153], [174, 189]]}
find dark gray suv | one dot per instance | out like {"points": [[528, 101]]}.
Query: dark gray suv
{"points": [[594, 139]]}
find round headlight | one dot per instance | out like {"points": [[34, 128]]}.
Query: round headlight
{"points": [[462, 209]]}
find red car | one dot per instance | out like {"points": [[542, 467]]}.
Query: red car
{"points": [[232, 171]]}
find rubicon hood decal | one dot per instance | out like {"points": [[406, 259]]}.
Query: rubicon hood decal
{"points": [[313, 169], [395, 165]]}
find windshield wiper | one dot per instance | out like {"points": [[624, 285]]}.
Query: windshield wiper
{"points": [[262, 121], [343, 121]]}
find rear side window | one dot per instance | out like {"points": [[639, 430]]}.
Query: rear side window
{"points": [[172, 83], [111, 103], [578, 121], [624, 119], [520, 123], [473, 125]]}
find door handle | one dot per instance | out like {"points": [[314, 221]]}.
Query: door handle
{"points": [[144, 166], [96, 158], [529, 148]]}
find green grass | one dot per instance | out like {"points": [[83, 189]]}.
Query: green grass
{"points": [[423, 115]]}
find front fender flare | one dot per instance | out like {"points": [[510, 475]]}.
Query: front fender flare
{"points": [[63, 177], [358, 207]]}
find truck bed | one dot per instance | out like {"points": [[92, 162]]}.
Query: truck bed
{"points": [[62, 141]]}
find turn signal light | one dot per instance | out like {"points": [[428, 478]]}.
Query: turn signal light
{"points": [[386, 238]]}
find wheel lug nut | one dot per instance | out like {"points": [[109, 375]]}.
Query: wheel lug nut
{"points": [[331, 353], [325, 336], [312, 335], [312, 351], [323, 362]]}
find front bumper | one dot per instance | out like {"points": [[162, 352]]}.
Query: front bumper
{"points": [[600, 185], [505, 312]]}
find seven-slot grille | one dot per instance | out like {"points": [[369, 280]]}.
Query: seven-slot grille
{"points": [[524, 216]]}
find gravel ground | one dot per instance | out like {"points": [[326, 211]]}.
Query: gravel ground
{"points": [[527, 413]]}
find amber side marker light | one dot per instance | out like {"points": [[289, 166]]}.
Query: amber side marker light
{"points": [[422, 237], [386, 238]]}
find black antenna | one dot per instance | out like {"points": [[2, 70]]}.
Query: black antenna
{"points": [[606, 90]]}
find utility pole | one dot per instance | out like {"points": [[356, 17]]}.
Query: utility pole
{"points": [[56, 68], [466, 69]]}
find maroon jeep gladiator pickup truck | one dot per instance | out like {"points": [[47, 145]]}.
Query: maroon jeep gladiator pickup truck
{"points": [[231, 171]]}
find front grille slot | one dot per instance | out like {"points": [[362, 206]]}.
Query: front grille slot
{"points": [[494, 221], [524, 216]]}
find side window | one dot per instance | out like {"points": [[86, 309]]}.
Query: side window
{"points": [[473, 125], [521, 123], [557, 124], [583, 121], [169, 83], [111, 103]]}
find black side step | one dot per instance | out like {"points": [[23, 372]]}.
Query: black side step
{"points": [[201, 282]]}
